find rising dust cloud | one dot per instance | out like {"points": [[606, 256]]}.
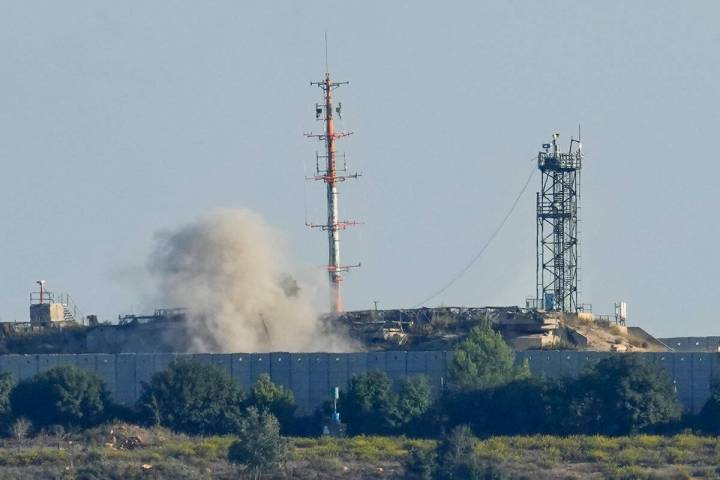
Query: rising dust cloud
{"points": [[227, 270]]}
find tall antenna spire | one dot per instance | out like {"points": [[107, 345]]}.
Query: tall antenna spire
{"points": [[327, 69], [326, 169]]}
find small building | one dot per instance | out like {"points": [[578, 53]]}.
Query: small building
{"points": [[47, 309], [43, 314]]}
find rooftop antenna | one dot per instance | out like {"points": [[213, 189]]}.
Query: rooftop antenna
{"points": [[326, 170], [42, 284], [576, 141]]}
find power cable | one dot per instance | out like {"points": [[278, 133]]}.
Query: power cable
{"points": [[485, 246]]}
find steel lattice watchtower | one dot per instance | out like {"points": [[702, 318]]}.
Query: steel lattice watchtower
{"points": [[557, 226]]}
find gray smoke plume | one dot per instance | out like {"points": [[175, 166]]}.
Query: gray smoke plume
{"points": [[226, 269]]}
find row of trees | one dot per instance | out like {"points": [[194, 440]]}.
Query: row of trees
{"points": [[488, 394], [493, 395], [619, 395], [64, 396], [200, 399], [189, 397], [487, 391], [371, 405]]}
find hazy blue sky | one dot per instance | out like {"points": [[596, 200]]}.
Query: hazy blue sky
{"points": [[121, 118]]}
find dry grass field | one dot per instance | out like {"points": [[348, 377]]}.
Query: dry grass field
{"points": [[129, 452]]}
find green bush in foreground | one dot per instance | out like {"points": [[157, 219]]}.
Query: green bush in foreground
{"points": [[456, 456], [65, 395], [260, 446], [453, 459], [192, 397], [421, 463]]}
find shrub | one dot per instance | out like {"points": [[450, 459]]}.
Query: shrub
{"points": [[64, 395], [411, 403], [270, 397], [457, 459], [370, 406], [632, 472], [709, 417], [522, 407], [367, 404], [421, 463], [260, 446], [621, 394], [6, 386], [483, 360], [465, 408], [20, 429], [192, 397]]}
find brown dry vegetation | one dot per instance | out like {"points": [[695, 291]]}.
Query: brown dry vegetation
{"points": [[128, 452], [632, 457]]}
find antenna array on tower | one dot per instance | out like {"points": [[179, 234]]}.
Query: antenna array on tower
{"points": [[557, 227], [326, 170]]}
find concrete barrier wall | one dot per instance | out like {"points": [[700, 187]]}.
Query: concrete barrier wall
{"points": [[312, 376], [693, 344]]}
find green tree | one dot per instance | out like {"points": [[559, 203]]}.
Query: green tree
{"points": [[65, 395], [522, 407], [709, 416], [270, 397], [367, 404], [457, 459], [192, 397], [411, 403], [421, 464], [620, 395], [260, 446], [6, 385], [483, 360]]}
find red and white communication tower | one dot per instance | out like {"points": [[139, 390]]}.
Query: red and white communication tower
{"points": [[327, 170]]}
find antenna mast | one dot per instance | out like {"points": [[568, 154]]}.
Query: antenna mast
{"points": [[557, 226], [326, 169]]}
